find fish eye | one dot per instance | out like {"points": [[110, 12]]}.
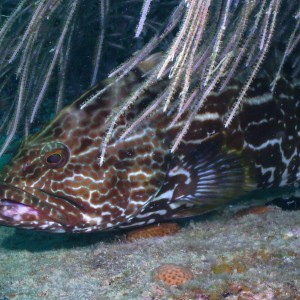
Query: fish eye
{"points": [[55, 158]]}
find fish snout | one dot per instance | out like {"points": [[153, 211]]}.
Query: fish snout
{"points": [[20, 208]]}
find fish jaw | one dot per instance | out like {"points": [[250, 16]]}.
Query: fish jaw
{"points": [[20, 215], [21, 209]]}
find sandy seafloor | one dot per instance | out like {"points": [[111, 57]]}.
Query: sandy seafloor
{"points": [[247, 257]]}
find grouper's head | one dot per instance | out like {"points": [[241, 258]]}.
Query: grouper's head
{"points": [[46, 185], [25, 198], [57, 185], [55, 182]]}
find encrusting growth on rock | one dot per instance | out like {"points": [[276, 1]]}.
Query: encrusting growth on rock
{"points": [[172, 275], [254, 210], [157, 230]]}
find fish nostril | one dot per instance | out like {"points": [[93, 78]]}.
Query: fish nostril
{"points": [[25, 166]]}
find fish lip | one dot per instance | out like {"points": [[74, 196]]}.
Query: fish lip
{"points": [[21, 193], [10, 202], [21, 197], [46, 224]]}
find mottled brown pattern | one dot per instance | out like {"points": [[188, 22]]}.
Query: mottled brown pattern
{"points": [[141, 182]]}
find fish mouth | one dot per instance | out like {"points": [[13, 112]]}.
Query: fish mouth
{"points": [[17, 214], [19, 208]]}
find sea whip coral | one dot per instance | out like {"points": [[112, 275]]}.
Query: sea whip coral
{"points": [[212, 42]]}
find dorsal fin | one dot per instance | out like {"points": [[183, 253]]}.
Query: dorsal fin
{"points": [[117, 90], [100, 101]]}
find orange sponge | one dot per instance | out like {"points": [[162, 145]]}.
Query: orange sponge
{"points": [[255, 210], [153, 231], [172, 275]]}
